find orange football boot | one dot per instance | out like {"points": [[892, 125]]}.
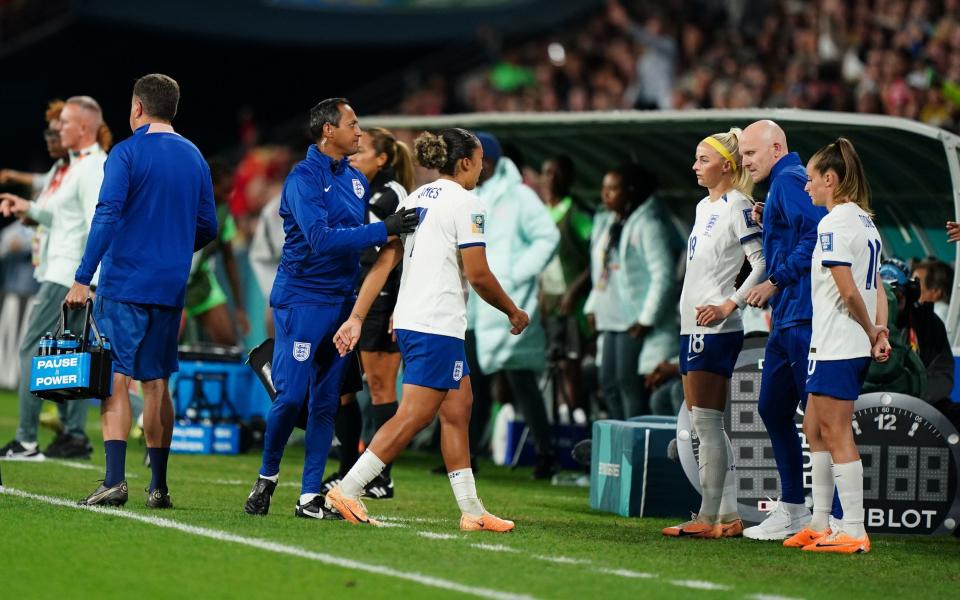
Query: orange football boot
{"points": [[840, 543], [485, 522], [350, 509]]}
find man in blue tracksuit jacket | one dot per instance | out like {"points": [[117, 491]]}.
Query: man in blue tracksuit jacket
{"points": [[323, 204], [789, 233], [154, 210]]}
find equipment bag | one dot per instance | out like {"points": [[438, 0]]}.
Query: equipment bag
{"points": [[68, 367]]}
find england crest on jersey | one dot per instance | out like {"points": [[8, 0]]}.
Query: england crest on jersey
{"points": [[358, 188], [301, 351], [458, 370]]}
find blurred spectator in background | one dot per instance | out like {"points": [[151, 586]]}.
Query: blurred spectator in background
{"points": [[19, 279], [521, 240], [65, 207], [920, 330], [265, 249], [565, 284], [206, 300], [633, 304], [936, 283], [897, 58], [15, 256], [666, 388]]}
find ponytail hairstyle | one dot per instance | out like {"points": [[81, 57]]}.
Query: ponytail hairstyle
{"points": [[730, 142], [842, 158], [398, 154], [445, 149]]}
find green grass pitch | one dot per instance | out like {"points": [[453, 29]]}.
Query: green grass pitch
{"points": [[207, 547]]}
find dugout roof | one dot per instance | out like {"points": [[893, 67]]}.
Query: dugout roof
{"points": [[913, 169]]}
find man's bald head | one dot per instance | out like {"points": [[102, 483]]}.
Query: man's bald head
{"points": [[762, 144], [80, 120]]}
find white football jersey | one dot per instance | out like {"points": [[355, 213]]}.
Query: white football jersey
{"points": [[432, 298], [715, 253], [846, 236]]}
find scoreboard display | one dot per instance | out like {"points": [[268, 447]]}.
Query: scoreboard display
{"points": [[910, 453]]}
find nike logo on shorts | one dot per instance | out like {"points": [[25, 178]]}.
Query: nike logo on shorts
{"points": [[327, 189]]}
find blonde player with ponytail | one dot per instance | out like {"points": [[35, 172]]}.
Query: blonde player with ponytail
{"points": [[849, 327], [711, 329]]}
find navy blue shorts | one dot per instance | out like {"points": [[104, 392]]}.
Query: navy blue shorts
{"points": [[840, 379], [711, 352], [143, 337], [432, 360]]}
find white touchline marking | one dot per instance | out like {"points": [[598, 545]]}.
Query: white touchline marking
{"points": [[239, 482], [770, 597], [699, 585], [437, 536], [494, 547], [410, 519], [261, 544], [563, 560], [627, 573]]}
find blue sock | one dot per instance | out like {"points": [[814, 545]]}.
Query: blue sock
{"points": [[158, 466], [837, 509], [116, 451]]}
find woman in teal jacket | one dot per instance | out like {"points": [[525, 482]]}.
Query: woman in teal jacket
{"points": [[634, 256], [521, 239]]}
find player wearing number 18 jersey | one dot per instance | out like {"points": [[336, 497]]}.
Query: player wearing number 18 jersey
{"points": [[849, 325], [711, 329], [430, 321]]}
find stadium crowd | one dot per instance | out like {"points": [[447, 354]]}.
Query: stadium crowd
{"points": [[892, 57]]}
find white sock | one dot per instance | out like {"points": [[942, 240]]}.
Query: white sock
{"points": [[465, 491], [273, 478], [713, 461], [728, 502], [306, 498], [849, 480], [822, 475], [366, 469]]}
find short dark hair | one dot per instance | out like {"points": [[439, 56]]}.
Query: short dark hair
{"points": [[938, 276], [326, 111], [159, 95]]}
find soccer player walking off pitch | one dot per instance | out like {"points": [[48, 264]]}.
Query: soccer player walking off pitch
{"points": [[155, 209], [322, 205], [430, 321]]}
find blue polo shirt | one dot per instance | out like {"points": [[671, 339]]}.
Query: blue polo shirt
{"points": [[323, 205], [789, 233], [155, 209]]}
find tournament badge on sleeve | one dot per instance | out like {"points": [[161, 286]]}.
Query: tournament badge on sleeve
{"points": [[70, 368]]}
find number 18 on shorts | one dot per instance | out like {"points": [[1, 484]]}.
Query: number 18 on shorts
{"points": [[712, 352]]}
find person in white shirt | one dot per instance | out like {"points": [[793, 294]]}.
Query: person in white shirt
{"points": [[65, 209], [430, 320], [711, 327], [849, 326]]}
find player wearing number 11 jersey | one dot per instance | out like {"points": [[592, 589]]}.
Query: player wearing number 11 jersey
{"points": [[849, 325], [711, 329]]}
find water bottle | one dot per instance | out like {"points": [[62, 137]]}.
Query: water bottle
{"points": [[47, 345], [67, 343]]}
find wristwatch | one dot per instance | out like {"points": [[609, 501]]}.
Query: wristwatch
{"points": [[774, 281]]}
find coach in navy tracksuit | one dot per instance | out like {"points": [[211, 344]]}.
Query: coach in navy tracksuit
{"points": [[789, 233], [323, 206], [154, 210]]}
